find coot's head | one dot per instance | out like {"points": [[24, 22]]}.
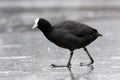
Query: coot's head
{"points": [[41, 23]]}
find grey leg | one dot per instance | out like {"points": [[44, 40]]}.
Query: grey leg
{"points": [[91, 59], [69, 61], [68, 64]]}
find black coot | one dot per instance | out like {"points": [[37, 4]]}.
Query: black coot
{"points": [[68, 34]]}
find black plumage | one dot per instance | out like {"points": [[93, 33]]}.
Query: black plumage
{"points": [[68, 34]]}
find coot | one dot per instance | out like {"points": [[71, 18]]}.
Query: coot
{"points": [[68, 34]]}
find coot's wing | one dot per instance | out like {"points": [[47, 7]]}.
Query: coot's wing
{"points": [[73, 41], [75, 28], [83, 31]]}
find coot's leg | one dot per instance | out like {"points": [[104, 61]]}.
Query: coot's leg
{"points": [[70, 58], [68, 64], [91, 59]]}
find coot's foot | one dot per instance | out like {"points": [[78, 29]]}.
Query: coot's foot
{"points": [[54, 66], [82, 64], [89, 65]]}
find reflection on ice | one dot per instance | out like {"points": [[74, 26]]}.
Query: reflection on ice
{"points": [[115, 67], [10, 46], [16, 57], [12, 73], [115, 58], [77, 76]]}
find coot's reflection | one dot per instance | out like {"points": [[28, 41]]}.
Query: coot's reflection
{"points": [[77, 76]]}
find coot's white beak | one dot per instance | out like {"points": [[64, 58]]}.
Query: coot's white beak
{"points": [[35, 24]]}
